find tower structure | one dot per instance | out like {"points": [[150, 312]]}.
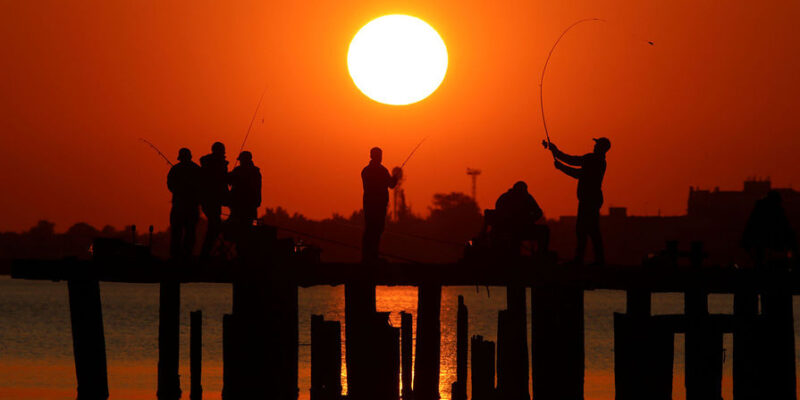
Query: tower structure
{"points": [[473, 173]]}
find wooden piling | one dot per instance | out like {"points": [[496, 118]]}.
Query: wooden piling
{"points": [[643, 352], [704, 348], [406, 344], [483, 363], [359, 310], [512, 347], [169, 384], [746, 380], [196, 354], [778, 361], [385, 372], [326, 359], [231, 375], [557, 343], [426, 366], [459, 387], [88, 339]]}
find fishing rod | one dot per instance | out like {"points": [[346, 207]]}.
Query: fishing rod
{"points": [[413, 151], [546, 143], [397, 233], [343, 244], [250, 127], [152, 146]]}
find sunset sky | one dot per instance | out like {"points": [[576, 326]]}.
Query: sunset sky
{"points": [[713, 102]]}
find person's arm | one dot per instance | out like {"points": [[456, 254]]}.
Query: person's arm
{"points": [[536, 211], [573, 172], [258, 189], [569, 159], [393, 179], [171, 179]]}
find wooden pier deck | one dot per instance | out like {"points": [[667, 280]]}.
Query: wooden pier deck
{"points": [[523, 272], [260, 335]]}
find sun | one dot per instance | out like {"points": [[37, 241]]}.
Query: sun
{"points": [[397, 59]]}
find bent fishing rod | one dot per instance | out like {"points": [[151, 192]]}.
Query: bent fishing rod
{"points": [[546, 143]]}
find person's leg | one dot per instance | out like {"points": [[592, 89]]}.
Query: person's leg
{"points": [[541, 235], [581, 235], [380, 225], [175, 233], [190, 232], [369, 243], [214, 216], [597, 238], [374, 222]]}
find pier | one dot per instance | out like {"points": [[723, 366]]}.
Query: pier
{"points": [[260, 338]]}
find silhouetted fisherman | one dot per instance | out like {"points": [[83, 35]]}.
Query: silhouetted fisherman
{"points": [[590, 194], [516, 214], [768, 235], [214, 181], [377, 181], [183, 181], [245, 195]]}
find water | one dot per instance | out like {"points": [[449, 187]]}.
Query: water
{"points": [[36, 345]]}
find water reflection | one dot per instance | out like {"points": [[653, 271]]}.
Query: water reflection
{"points": [[36, 345]]}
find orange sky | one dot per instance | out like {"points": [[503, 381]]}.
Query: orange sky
{"points": [[712, 103]]}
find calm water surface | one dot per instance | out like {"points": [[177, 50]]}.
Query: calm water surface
{"points": [[36, 345]]}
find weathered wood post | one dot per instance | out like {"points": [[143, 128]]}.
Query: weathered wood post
{"points": [[386, 354], [482, 369], [326, 359], [704, 349], [643, 352], [196, 354], [557, 343], [169, 382], [406, 344], [88, 339], [459, 387], [746, 383], [264, 323], [426, 366], [231, 375], [512, 347], [359, 310], [778, 362]]}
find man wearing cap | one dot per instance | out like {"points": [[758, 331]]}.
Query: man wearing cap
{"points": [[592, 168], [377, 181], [245, 181], [214, 175], [183, 181]]}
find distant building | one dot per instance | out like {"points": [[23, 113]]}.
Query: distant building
{"points": [[715, 217]]}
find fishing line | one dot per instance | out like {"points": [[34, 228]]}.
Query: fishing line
{"points": [[396, 233]]}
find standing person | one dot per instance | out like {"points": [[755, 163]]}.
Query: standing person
{"points": [[245, 181], [214, 175], [590, 194], [377, 181], [183, 181]]}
